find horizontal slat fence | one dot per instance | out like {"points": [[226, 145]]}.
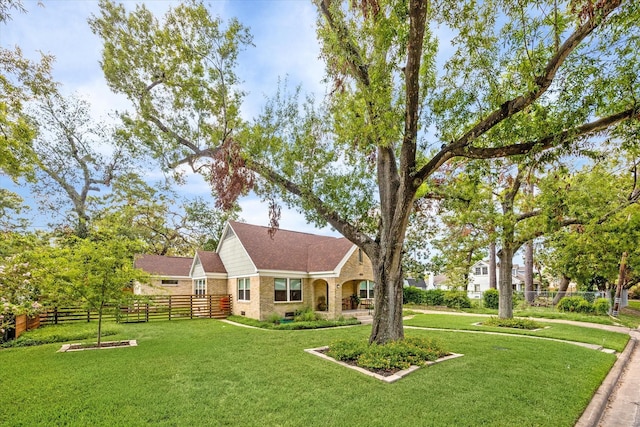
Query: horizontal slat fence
{"points": [[148, 308]]}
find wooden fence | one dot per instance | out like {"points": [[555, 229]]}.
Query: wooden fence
{"points": [[25, 323], [147, 308]]}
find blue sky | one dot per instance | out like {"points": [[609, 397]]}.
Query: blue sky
{"points": [[285, 45]]}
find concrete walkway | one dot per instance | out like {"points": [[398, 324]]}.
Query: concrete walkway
{"points": [[616, 403]]}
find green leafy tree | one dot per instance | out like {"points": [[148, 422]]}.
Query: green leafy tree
{"points": [[101, 271], [589, 253], [358, 160], [70, 165], [21, 80], [157, 217]]}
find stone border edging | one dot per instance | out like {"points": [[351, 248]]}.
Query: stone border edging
{"points": [[388, 379], [595, 410], [67, 347]]}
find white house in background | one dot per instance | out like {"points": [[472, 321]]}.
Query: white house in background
{"points": [[479, 278], [430, 282]]}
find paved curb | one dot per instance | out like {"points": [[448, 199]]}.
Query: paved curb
{"points": [[594, 411]]}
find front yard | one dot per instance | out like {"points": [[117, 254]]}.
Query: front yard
{"points": [[207, 372]]}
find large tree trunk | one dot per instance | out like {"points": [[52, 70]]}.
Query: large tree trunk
{"points": [[529, 293], [505, 307], [387, 317], [493, 282], [562, 288]]}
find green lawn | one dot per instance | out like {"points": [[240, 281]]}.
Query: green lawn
{"points": [[612, 340], [206, 372], [627, 318]]}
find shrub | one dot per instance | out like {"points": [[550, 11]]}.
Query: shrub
{"points": [[412, 295], [391, 356], [601, 306], [491, 298], [584, 306], [457, 299], [589, 296], [571, 304], [347, 350], [273, 318], [517, 323], [434, 297], [634, 292], [306, 314]]}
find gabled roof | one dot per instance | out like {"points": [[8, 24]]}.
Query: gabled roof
{"points": [[159, 265], [291, 250], [211, 262], [418, 283]]}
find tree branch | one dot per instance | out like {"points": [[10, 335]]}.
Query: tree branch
{"points": [[417, 22], [513, 106], [343, 226], [546, 142], [354, 60]]}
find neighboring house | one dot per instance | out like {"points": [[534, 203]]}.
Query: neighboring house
{"points": [[267, 274], [433, 282], [417, 283], [479, 278]]}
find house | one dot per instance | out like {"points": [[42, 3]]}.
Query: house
{"points": [[169, 274], [268, 273], [479, 278]]}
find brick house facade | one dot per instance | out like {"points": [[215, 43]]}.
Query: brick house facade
{"points": [[268, 274]]}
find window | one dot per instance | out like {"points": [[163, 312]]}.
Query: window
{"points": [[360, 256], [476, 288], [199, 287], [485, 270], [366, 289], [478, 271], [169, 282], [288, 290], [244, 289]]}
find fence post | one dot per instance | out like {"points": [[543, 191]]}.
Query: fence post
{"points": [[170, 305], [210, 306], [190, 306], [55, 315]]}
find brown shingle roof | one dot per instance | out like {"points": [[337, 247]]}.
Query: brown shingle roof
{"points": [[211, 262], [290, 250], [164, 265]]}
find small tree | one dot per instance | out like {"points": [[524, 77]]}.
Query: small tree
{"points": [[103, 271]]}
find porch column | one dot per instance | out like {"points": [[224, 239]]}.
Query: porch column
{"points": [[334, 299]]}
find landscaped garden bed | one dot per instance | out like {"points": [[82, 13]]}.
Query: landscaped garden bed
{"points": [[388, 362], [94, 346]]}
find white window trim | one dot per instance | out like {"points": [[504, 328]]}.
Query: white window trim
{"points": [[196, 282], [370, 289], [288, 290], [246, 281]]}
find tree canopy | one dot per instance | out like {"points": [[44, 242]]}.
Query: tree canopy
{"points": [[518, 78]]}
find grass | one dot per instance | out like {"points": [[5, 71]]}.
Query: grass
{"points": [[613, 340], [62, 333], [209, 372], [627, 318]]}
